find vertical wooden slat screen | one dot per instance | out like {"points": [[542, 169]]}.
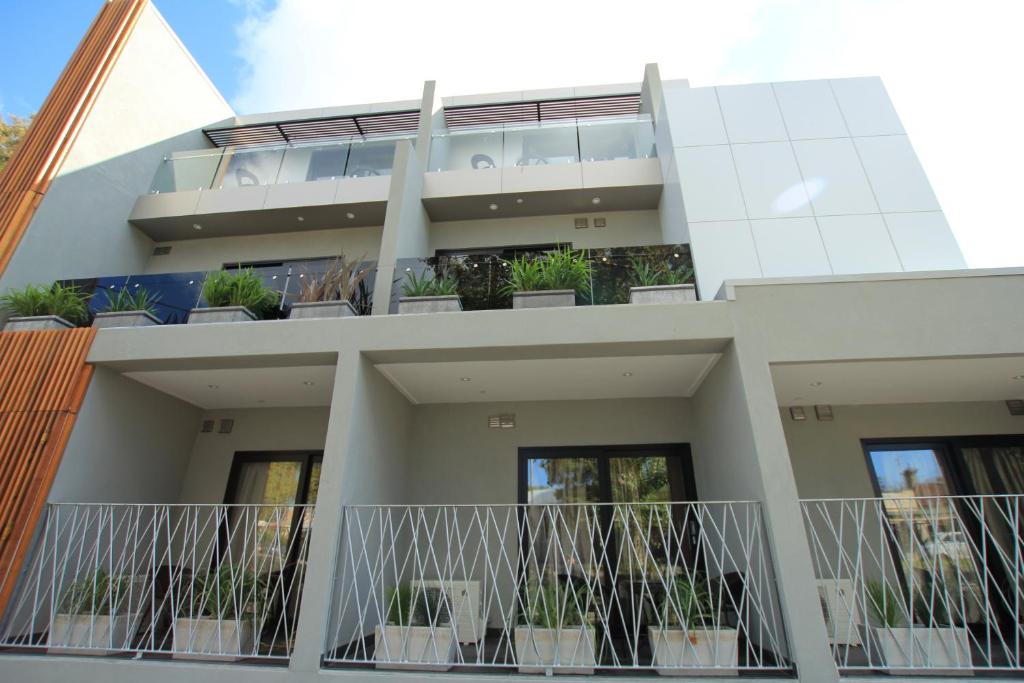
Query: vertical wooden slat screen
{"points": [[43, 379], [28, 175]]}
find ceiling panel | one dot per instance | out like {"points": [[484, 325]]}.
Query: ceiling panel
{"points": [[245, 388]]}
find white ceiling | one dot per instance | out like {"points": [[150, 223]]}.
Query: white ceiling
{"points": [[903, 381], [245, 387], [550, 379]]}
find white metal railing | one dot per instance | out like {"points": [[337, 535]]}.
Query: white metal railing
{"points": [[202, 581], [921, 583], [557, 588]]}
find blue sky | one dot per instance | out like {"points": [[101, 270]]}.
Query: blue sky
{"points": [[951, 68]]}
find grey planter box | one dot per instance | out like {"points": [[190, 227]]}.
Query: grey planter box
{"points": [[125, 319], [322, 309], [554, 298], [36, 322], [662, 294], [227, 314], [429, 304]]}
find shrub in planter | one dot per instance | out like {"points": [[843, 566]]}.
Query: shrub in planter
{"points": [[686, 635], [429, 293], [418, 633], [221, 614], [92, 616], [931, 643], [555, 634], [239, 295], [659, 283], [133, 307], [330, 294], [552, 280], [45, 307]]}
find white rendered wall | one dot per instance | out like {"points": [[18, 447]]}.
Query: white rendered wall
{"points": [[622, 229], [154, 102], [799, 178], [213, 253]]}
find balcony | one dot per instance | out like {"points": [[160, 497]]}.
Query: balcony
{"points": [[920, 584], [557, 588], [253, 190], [552, 167], [216, 582]]}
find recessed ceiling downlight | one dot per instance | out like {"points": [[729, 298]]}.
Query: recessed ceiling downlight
{"points": [[595, 200], [196, 226], [350, 215], [493, 207]]}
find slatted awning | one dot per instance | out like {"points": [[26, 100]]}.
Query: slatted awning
{"points": [[541, 110], [303, 130]]}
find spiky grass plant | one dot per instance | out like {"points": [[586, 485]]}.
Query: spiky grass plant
{"points": [[242, 287], [885, 604], [644, 273], [339, 281], [135, 299], [429, 284], [65, 301]]}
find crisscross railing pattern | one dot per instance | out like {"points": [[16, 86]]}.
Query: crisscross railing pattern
{"points": [[561, 588], [929, 583], [203, 581]]}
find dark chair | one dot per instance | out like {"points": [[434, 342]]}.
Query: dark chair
{"points": [[532, 161], [480, 161], [363, 173]]}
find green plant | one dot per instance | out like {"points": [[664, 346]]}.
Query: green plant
{"points": [[416, 607], [228, 592], [65, 301], [429, 284], [339, 281], [930, 601], [643, 273], [95, 593], [137, 299], [242, 287], [885, 604], [566, 269], [686, 603], [526, 274], [399, 602], [553, 606]]}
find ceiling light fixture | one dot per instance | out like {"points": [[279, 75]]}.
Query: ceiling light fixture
{"points": [[1019, 378], [212, 386], [196, 226], [299, 218], [493, 207], [815, 384], [519, 200], [595, 200], [627, 374], [466, 379], [309, 383], [350, 215]]}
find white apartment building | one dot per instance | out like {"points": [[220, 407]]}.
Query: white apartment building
{"points": [[751, 417]]}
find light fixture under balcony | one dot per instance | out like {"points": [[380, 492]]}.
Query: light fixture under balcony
{"points": [[309, 383], [519, 200], [493, 207], [1019, 378], [350, 215], [299, 218], [465, 379], [627, 374], [196, 226], [815, 383], [595, 200]]}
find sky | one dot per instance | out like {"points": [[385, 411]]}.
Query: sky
{"points": [[951, 67]]}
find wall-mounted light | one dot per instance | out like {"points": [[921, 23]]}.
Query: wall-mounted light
{"points": [[797, 414], [823, 413], [1015, 406]]}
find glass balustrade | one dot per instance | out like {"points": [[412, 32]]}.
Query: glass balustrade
{"points": [[281, 164], [542, 144]]}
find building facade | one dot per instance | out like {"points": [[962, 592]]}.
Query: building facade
{"points": [[751, 416]]}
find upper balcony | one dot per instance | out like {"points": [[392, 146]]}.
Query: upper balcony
{"points": [[563, 166]]}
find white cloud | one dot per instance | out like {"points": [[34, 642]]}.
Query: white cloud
{"points": [[951, 68]]}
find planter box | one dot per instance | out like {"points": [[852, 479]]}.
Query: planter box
{"points": [[36, 322], [554, 298], [227, 314], [415, 647], [561, 651], [694, 651], [322, 309], [84, 634], [125, 319], [213, 639], [935, 650], [663, 294], [429, 304]]}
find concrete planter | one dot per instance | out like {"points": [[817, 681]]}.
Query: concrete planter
{"points": [[928, 650], [87, 634], [695, 650], [227, 314], [213, 639], [322, 309], [429, 304], [125, 319], [562, 651], [416, 647], [36, 322], [554, 298], [663, 294]]}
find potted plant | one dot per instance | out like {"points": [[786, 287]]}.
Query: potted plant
{"points": [[659, 284], [555, 635], [330, 294], [550, 281], [235, 296], [38, 307], [429, 293], [220, 614], [931, 643], [128, 308], [686, 634], [418, 633], [92, 616]]}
